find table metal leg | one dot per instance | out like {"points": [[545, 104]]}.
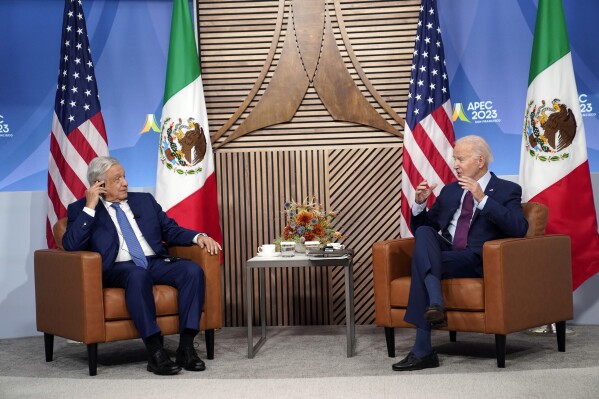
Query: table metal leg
{"points": [[263, 302], [349, 309], [253, 349], [351, 302], [249, 303]]}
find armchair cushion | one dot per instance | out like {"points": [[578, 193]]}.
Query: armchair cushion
{"points": [[536, 214], [459, 293], [115, 307]]}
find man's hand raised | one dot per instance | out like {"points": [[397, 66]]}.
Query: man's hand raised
{"points": [[92, 194], [423, 191], [468, 183]]}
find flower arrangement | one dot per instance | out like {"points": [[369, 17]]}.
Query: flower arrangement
{"points": [[308, 221]]}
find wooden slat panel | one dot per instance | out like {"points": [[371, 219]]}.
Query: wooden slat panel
{"points": [[354, 169], [254, 187], [365, 191]]}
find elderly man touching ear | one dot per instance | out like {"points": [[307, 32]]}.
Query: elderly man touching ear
{"points": [[130, 232]]}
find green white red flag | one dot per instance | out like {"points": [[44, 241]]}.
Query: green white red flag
{"points": [[185, 180], [554, 168]]}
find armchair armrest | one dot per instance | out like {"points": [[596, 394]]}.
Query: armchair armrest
{"points": [[210, 264], [68, 294], [390, 260], [528, 282]]}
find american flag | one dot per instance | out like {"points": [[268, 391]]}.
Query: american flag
{"points": [[428, 136], [78, 134]]}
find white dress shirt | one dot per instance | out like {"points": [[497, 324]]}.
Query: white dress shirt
{"points": [[123, 254]]}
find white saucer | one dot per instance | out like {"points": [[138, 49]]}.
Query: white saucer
{"points": [[263, 255]]}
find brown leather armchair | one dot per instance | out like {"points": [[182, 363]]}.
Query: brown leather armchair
{"points": [[527, 283], [71, 302]]}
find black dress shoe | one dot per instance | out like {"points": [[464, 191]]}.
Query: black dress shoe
{"points": [[189, 360], [161, 364], [411, 362], [435, 314]]}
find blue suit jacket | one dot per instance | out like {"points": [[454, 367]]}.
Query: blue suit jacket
{"points": [[501, 217], [99, 234]]}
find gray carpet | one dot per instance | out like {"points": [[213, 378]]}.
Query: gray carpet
{"points": [[313, 358]]}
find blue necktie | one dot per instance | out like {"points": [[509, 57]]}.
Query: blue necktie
{"points": [[137, 254], [460, 237]]}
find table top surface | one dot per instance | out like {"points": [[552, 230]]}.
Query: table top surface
{"points": [[300, 259]]}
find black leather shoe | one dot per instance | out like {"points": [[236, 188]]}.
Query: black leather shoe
{"points": [[161, 364], [411, 362], [189, 360], [435, 314]]}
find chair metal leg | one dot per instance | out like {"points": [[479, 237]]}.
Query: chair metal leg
{"points": [[560, 332], [453, 336], [49, 346], [209, 334], [92, 356], [390, 338], [500, 350]]}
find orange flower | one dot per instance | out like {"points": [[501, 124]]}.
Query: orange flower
{"points": [[309, 236], [288, 232], [318, 230], [304, 218]]}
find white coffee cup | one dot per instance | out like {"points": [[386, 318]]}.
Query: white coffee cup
{"points": [[288, 248], [266, 250]]}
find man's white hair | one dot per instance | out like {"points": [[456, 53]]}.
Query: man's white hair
{"points": [[479, 147], [98, 167]]}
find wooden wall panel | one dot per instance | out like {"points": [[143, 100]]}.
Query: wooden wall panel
{"points": [[365, 190], [351, 167], [253, 186]]}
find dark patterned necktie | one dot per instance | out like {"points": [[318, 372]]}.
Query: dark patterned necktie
{"points": [[135, 250], [460, 238]]}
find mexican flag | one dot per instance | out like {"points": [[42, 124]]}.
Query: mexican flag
{"points": [[185, 180], [554, 168]]}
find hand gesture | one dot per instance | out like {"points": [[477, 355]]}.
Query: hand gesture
{"points": [[423, 191], [468, 183], [92, 194]]}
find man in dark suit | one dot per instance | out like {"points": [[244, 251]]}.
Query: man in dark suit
{"points": [[449, 238], [130, 231]]}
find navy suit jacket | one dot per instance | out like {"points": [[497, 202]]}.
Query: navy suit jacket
{"points": [[99, 234], [501, 217]]}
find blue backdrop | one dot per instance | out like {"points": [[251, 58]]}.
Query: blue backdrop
{"points": [[487, 47]]}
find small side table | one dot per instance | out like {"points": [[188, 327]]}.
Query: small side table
{"points": [[299, 260]]}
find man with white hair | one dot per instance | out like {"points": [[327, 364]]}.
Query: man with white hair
{"points": [[449, 238], [130, 231]]}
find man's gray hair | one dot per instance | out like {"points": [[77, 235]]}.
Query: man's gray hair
{"points": [[98, 167], [479, 147]]}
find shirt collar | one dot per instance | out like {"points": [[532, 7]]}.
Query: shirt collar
{"points": [[107, 203], [484, 180]]}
